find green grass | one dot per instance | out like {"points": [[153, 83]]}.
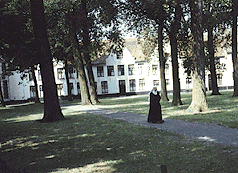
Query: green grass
{"points": [[223, 109], [90, 143]]}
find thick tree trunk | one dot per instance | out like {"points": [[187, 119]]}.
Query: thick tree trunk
{"points": [[234, 49], [176, 82], [215, 90], [85, 98], [164, 96], [1, 94], [199, 103], [69, 97], [86, 55], [37, 100], [52, 110], [174, 56]]}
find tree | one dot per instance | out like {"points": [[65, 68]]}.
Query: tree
{"points": [[85, 98], [215, 16], [67, 70], [199, 103], [18, 45], [234, 47], [52, 110], [1, 94], [37, 100], [173, 32], [93, 22], [144, 13], [86, 50]]}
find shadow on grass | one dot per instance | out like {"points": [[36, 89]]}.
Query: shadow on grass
{"points": [[71, 144], [19, 111], [89, 143]]}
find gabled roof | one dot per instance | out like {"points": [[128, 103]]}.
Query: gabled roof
{"points": [[101, 60], [135, 49]]}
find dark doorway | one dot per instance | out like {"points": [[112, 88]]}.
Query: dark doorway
{"points": [[122, 86]]}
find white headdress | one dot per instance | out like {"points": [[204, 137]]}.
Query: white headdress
{"points": [[153, 91]]}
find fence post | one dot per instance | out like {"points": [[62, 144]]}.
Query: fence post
{"points": [[163, 169]]}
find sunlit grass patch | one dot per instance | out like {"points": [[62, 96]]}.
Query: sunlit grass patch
{"points": [[223, 109]]}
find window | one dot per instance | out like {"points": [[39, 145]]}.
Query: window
{"points": [[59, 88], [141, 84], [100, 71], [41, 90], [32, 91], [166, 68], [132, 83], [104, 87], [131, 69], [60, 73], [156, 83], [188, 82], [71, 73], [219, 79], [78, 87], [110, 71], [119, 55], [71, 88], [30, 76], [167, 81], [39, 75], [120, 70], [155, 69], [140, 69]]}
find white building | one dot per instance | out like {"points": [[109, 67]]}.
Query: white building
{"points": [[119, 73]]}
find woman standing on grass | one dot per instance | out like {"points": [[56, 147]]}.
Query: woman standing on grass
{"points": [[155, 115]]}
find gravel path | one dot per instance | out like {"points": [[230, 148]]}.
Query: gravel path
{"points": [[206, 132]]}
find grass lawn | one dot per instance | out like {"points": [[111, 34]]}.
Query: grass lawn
{"points": [[90, 143], [223, 109]]}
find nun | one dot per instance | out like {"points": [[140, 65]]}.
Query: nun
{"points": [[155, 115]]}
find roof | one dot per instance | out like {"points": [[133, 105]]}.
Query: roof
{"points": [[101, 60], [135, 49]]}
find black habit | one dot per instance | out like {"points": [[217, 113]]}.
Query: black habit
{"points": [[155, 115]]}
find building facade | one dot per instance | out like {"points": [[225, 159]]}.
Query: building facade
{"points": [[118, 73]]}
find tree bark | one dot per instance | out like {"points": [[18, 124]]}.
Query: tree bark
{"points": [[234, 48], [37, 100], [174, 56], [215, 90], [86, 55], [85, 98], [199, 102], [69, 97], [52, 110], [164, 96], [1, 94]]}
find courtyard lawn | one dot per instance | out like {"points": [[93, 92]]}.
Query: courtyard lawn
{"points": [[90, 143], [223, 109]]}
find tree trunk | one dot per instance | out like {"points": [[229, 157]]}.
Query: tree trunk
{"points": [[85, 98], [234, 48], [37, 100], [174, 56], [1, 94], [199, 102], [69, 97], [86, 55], [164, 96], [215, 90], [52, 110]]}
